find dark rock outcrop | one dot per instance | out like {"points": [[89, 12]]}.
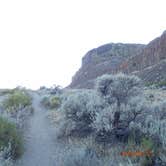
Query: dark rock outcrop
{"points": [[155, 73], [147, 61], [151, 55], [101, 60]]}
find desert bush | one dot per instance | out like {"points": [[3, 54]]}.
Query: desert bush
{"points": [[104, 119], [87, 156], [51, 102], [153, 127], [19, 99], [45, 101], [80, 111], [123, 95], [81, 157], [6, 92], [153, 124], [85, 152], [134, 110], [104, 122], [158, 110], [56, 89], [5, 156], [109, 113], [147, 143], [42, 88], [117, 112], [119, 88], [10, 134], [159, 84], [54, 102]]}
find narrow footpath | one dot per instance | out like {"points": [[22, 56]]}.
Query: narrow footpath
{"points": [[39, 139]]}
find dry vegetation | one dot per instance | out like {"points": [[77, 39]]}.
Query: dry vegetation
{"points": [[15, 109], [119, 115]]}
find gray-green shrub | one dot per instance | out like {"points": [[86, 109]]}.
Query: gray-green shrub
{"points": [[51, 102], [19, 99], [5, 156], [10, 134], [139, 121], [17, 107], [119, 88], [79, 112], [122, 93], [45, 101]]}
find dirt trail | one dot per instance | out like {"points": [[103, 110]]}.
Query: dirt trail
{"points": [[40, 144]]}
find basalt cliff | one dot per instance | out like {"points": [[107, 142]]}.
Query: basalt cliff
{"points": [[146, 61]]}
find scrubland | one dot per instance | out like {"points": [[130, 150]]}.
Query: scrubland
{"points": [[121, 122], [120, 115]]}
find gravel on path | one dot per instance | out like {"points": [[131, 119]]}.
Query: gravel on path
{"points": [[39, 139]]}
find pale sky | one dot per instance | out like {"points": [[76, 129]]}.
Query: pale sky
{"points": [[42, 41]]}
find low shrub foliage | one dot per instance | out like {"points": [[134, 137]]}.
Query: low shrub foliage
{"points": [[19, 99], [10, 135], [116, 111], [51, 102]]}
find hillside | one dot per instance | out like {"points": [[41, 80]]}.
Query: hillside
{"points": [[113, 58]]}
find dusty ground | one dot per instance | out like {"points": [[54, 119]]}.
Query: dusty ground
{"points": [[40, 148]]}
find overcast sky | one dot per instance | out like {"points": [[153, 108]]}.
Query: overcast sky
{"points": [[42, 41]]}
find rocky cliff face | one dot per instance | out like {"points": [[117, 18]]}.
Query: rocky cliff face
{"points": [[113, 58], [101, 60], [152, 54]]}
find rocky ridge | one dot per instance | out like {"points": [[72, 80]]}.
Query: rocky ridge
{"points": [[147, 61]]}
